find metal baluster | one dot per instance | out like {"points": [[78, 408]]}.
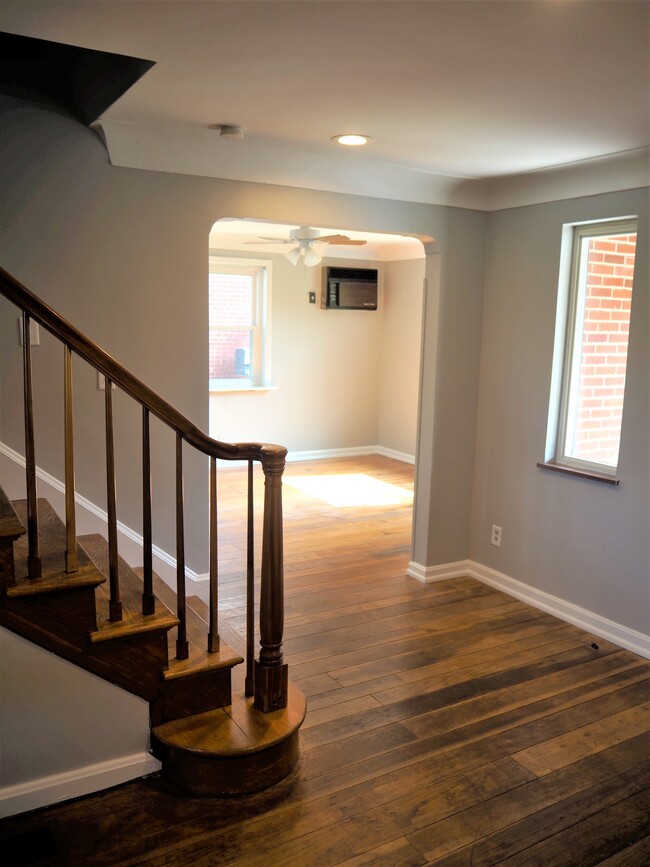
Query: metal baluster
{"points": [[114, 605], [249, 687], [71, 557], [33, 557], [182, 648], [148, 599], [213, 635]]}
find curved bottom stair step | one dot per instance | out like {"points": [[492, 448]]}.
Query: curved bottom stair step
{"points": [[233, 750]]}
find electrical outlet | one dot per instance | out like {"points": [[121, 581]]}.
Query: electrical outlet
{"points": [[496, 536], [312, 297]]}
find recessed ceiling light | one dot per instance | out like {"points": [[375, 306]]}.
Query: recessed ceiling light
{"points": [[351, 139]]}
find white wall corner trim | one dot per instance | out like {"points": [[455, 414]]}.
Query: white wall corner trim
{"points": [[428, 574], [395, 455], [73, 784], [630, 639]]}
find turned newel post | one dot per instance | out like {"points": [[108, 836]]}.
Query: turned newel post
{"points": [[270, 671]]}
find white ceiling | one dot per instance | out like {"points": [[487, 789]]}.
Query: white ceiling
{"points": [[471, 89]]}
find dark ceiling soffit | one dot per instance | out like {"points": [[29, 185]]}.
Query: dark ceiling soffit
{"points": [[81, 81]]}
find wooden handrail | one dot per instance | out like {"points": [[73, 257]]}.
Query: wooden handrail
{"points": [[267, 678]]}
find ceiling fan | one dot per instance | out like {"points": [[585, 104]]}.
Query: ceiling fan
{"points": [[303, 239]]}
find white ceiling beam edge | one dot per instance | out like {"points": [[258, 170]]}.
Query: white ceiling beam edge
{"points": [[200, 152]]}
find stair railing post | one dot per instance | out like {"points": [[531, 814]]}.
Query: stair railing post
{"points": [[182, 647], [71, 557], [114, 604], [271, 673], [249, 683], [33, 556], [213, 634], [148, 598]]}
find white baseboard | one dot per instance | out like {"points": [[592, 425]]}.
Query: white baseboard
{"points": [[332, 454], [630, 639], [73, 784], [428, 574], [395, 455]]}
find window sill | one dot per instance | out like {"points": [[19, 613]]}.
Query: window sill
{"points": [[582, 474], [244, 389]]}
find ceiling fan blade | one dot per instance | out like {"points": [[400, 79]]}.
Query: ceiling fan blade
{"points": [[263, 240], [340, 240]]}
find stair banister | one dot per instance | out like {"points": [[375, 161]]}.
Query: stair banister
{"points": [[270, 672], [71, 558], [34, 559]]}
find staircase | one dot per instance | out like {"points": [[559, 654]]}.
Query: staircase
{"points": [[76, 597]]}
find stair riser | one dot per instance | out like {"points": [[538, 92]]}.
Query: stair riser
{"points": [[7, 570], [239, 775], [187, 696], [145, 677], [69, 613]]}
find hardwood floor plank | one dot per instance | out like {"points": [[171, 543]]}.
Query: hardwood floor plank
{"points": [[632, 855], [603, 833], [397, 853], [422, 704], [471, 639], [561, 751], [492, 831], [515, 695], [368, 828], [485, 740]]}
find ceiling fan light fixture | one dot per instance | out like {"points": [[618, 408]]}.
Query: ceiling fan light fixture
{"points": [[293, 255], [311, 257], [351, 139]]}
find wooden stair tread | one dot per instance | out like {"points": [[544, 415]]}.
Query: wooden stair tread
{"points": [[234, 639], [11, 527], [52, 548], [131, 624], [236, 730], [197, 635], [133, 621]]}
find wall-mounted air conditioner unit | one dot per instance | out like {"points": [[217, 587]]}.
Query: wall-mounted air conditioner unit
{"points": [[349, 289]]}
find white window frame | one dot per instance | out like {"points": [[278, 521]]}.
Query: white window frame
{"points": [[260, 361], [568, 339]]}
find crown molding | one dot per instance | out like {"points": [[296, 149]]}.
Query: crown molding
{"points": [[200, 152]]}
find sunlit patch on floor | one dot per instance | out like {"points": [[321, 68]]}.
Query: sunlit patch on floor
{"points": [[350, 489]]}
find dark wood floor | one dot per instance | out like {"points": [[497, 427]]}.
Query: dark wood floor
{"points": [[448, 724]]}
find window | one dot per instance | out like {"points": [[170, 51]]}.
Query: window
{"points": [[239, 302], [594, 306]]}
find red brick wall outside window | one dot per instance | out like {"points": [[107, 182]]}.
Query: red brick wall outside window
{"points": [[230, 318], [603, 357]]}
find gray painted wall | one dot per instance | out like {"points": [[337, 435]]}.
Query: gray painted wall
{"points": [[399, 363], [57, 717], [583, 541]]}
